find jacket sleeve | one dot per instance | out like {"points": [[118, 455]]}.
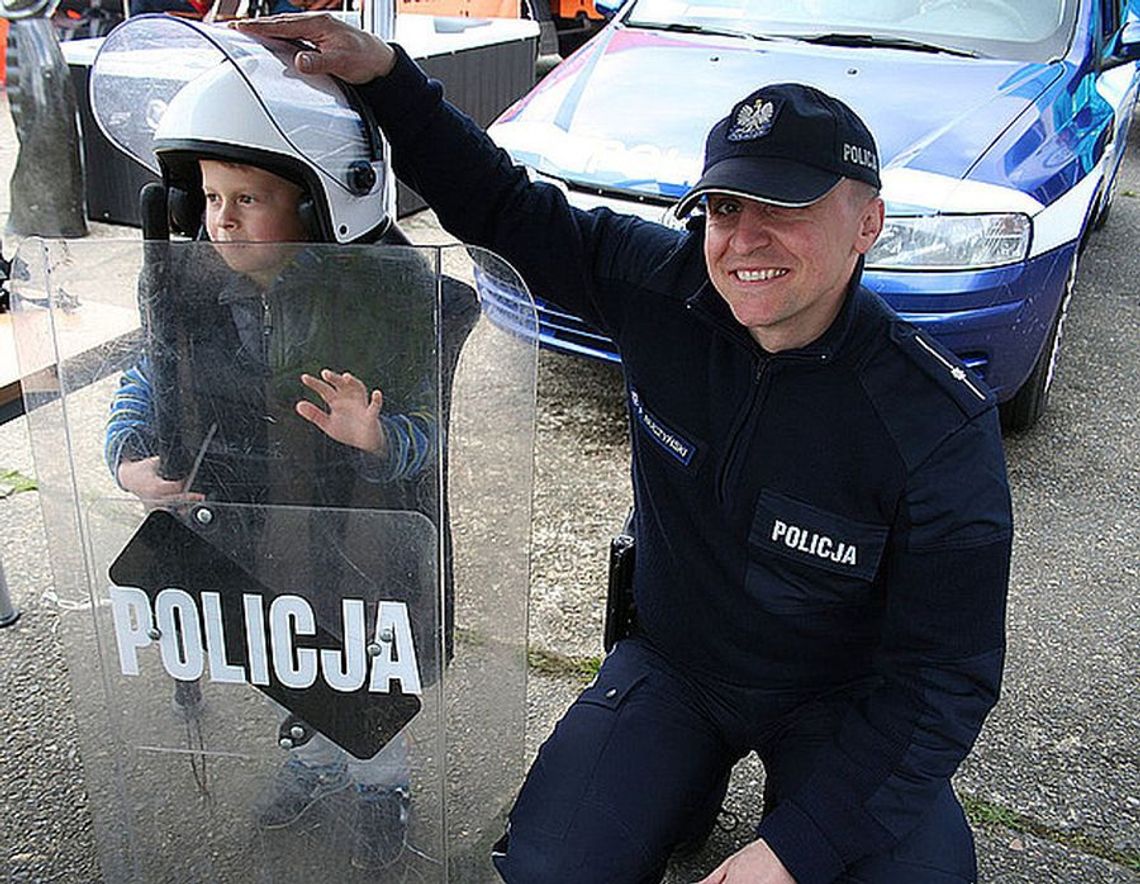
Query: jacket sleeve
{"points": [[412, 439], [570, 257], [939, 665], [130, 426]]}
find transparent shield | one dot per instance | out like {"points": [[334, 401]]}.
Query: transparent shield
{"points": [[294, 610]]}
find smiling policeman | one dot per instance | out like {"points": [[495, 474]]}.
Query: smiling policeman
{"points": [[822, 513]]}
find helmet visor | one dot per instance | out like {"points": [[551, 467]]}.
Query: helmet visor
{"points": [[146, 61]]}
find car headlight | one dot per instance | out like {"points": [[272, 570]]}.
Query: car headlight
{"points": [[951, 242], [534, 175], [670, 219]]}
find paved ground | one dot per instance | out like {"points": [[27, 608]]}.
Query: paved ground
{"points": [[1052, 786]]}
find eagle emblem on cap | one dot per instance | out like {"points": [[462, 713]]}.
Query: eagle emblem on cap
{"points": [[753, 120]]}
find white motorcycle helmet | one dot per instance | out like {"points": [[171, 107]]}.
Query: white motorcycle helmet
{"points": [[170, 91]]}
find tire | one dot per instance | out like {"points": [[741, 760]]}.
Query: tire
{"points": [[1029, 402], [1106, 204]]}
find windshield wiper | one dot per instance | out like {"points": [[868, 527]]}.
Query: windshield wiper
{"points": [[871, 40], [688, 28]]}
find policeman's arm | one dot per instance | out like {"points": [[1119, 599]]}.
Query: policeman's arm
{"points": [[573, 258], [752, 864], [939, 662]]}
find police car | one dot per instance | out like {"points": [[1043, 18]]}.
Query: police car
{"points": [[1001, 126]]}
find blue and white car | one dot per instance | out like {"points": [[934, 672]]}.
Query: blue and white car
{"points": [[1001, 125]]}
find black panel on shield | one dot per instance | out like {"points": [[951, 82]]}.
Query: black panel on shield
{"points": [[166, 553]]}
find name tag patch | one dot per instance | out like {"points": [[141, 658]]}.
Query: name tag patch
{"points": [[667, 439]]}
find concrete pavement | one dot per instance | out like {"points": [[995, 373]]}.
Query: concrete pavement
{"points": [[1052, 786]]}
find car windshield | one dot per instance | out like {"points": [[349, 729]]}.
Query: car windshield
{"points": [[1023, 30]]}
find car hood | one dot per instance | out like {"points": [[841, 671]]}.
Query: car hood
{"points": [[628, 113]]}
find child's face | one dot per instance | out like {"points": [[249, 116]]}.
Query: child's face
{"points": [[245, 204]]}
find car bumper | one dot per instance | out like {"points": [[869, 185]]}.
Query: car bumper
{"points": [[995, 320]]}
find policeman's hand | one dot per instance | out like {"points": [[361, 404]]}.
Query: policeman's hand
{"points": [[754, 864], [338, 48], [141, 478], [353, 416]]}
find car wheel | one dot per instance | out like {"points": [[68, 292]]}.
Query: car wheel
{"points": [[1028, 403], [1105, 205]]}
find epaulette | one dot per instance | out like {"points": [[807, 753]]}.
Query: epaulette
{"points": [[963, 386]]}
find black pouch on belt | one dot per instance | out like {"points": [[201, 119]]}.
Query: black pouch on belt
{"points": [[620, 612]]}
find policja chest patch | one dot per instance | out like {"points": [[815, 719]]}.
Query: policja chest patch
{"points": [[814, 544], [805, 533]]}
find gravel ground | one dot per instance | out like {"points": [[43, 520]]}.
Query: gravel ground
{"points": [[1053, 781]]}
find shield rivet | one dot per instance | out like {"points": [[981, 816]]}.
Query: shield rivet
{"points": [[387, 635], [155, 633], [203, 516], [297, 731], [611, 693], [285, 743], [373, 649]]}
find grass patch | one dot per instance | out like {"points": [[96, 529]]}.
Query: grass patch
{"points": [[15, 482], [552, 663], [465, 635], [984, 813], [539, 660]]}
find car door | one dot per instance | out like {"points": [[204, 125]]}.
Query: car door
{"points": [[1118, 86]]}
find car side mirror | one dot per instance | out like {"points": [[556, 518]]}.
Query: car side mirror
{"points": [[608, 8], [1124, 48]]}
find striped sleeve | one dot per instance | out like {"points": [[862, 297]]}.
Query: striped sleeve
{"points": [[412, 438], [130, 425], [411, 441]]}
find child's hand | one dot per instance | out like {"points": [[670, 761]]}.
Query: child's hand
{"points": [[353, 416], [141, 478]]}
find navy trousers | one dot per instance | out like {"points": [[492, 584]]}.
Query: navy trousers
{"points": [[638, 766]]}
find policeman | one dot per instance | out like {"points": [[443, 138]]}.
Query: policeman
{"points": [[822, 512]]}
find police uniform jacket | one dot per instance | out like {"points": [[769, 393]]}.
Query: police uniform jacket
{"points": [[831, 516]]}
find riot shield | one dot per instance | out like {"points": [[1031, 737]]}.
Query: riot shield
{"points": [[297, 651]]}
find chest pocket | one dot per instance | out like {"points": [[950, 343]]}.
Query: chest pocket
{"points": [[802, 557]]}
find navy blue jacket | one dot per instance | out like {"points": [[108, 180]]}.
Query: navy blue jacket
{"points": [[808, 520]]}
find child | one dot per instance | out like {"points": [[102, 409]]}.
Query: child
{"points": [[248, 349], [252, 222]]}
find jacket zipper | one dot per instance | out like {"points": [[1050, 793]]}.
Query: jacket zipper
{"points": [[266, 328], [735, 443], [267, 344], [956, 371]]}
